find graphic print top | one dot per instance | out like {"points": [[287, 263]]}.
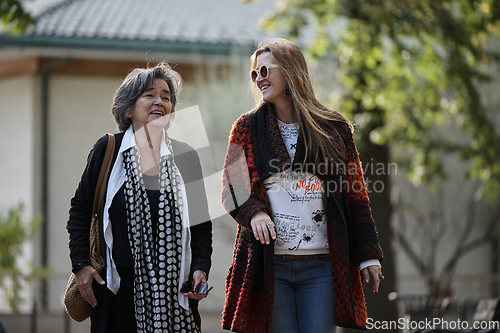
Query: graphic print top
{"points": [[296, 200]]}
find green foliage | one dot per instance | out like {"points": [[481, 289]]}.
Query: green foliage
{"points": [[14, 18], [409, 67], [14, 232]]}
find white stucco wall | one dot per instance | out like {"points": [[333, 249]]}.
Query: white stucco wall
{"points": [[17, 156], [79, 116], [17, 141]]}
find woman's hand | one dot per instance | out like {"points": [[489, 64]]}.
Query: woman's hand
{"points": [[262, 227], [84, 278], [199, 277], [376, 272]]}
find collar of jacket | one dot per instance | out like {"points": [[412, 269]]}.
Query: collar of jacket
{"points": [[270, 153]]}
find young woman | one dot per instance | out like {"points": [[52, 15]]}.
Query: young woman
{"points": [[293, 181]]}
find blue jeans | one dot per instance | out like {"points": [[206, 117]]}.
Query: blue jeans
{"points": [[303, 296]]}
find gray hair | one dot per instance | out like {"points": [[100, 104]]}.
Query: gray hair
{"points": [[134, 86]]}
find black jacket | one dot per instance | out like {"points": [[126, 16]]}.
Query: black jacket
{"points": [[80, 213]]}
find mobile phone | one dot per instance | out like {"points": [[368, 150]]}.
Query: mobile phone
{"points": [[188, 286], [202, 288]]}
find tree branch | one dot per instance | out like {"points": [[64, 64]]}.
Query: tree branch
{"points": [[464, 248], [408, 249]]}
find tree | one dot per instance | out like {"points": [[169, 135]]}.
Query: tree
{"points": [[424, 230], [14, 17], [407, 68], [14, 232]]}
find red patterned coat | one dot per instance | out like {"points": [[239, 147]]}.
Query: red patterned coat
{"points": [[256, 151]]}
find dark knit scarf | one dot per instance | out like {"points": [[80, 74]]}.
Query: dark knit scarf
{"points": [[157, 257]]}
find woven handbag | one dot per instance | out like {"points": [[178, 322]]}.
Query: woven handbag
{"points": [[76, 307]]}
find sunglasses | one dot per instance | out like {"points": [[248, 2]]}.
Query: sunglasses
{"points": [[263, 71]]}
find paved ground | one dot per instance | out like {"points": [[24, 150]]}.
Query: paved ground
{"points": [[211, 323], [58, 323]]}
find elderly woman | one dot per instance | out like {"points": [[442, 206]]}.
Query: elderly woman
{"points": [[155, 229]]}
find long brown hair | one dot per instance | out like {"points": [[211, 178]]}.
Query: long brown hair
{"points": [[315, 120]]}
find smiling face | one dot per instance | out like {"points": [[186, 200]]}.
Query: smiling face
{"points": [[153, 106], [272, 87]]}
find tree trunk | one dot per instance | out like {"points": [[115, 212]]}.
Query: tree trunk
{"points": [[374, 158]]}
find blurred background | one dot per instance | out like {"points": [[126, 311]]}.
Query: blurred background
{"points": [[419, 78]]}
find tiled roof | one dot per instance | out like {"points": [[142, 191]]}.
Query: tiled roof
{"points": [[189, 21]]}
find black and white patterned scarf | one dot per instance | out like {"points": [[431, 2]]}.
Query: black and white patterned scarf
{"points": [[157, 257]]}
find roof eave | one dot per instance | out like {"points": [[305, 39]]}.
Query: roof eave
{"points": [[127, 45]]}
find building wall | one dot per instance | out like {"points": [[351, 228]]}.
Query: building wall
{"points": [[18, 175], [17, 109], [79, 116]]}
